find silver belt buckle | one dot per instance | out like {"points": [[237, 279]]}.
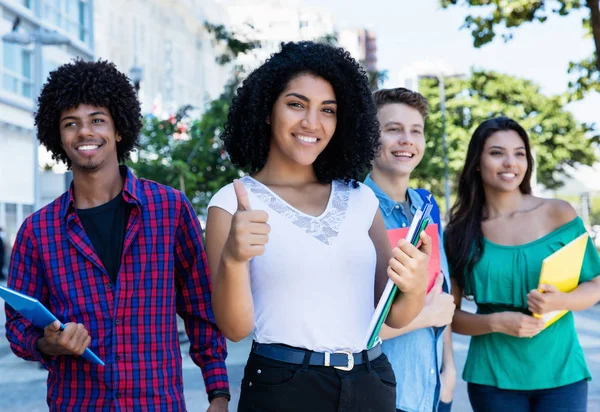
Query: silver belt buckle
{"points": [[350, 356]]}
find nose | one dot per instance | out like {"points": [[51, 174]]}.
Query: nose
{"points": [[310, 120], [404, 138], [84, 130], [510, 160]]}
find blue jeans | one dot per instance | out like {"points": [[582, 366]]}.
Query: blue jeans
{"points": [[568, 398]]}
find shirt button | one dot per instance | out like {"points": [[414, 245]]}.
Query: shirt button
{"points": [[116, 321], [397, 207], [403, 224], [432, 371], [109, 285], [118, 357], [118, 395]]}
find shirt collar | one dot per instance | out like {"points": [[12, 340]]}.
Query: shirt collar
{"points": [[131, 193], [387, 204]]}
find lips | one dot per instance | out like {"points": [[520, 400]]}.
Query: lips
{"points": [[306, 139], [403, 154]]}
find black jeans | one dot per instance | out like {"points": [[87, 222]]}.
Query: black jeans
{"points": [[568, 398], [269, 385]]}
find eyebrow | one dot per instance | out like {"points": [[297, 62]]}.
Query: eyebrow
{"points": [[307, 100], [77, 118], [400, 124], [502, 148]]}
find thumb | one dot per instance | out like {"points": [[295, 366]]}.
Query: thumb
{"points": [[53, 327], [241, 195], [439, 282], [425, 243], [548, 288]]}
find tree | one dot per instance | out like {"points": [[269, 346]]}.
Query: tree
{"points": [[187, 153], [503, 16], [557, 138]]}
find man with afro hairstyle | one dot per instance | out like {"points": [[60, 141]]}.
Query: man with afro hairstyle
{"points": [[116, 258]]}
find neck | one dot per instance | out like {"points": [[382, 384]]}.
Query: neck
{"points": [[394, 186], [276, 172], [499, 204], [96, 188]]}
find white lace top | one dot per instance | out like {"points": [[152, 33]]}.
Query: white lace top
{"points": [[314, 286]]}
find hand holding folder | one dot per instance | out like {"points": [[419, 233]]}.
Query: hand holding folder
{"points": [[419, 223], [32, 310], [560, 271]]}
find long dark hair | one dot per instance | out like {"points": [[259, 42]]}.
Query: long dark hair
{"points": [[463, 238]]}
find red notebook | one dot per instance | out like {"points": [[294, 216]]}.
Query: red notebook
{"points": [[394, 235]]}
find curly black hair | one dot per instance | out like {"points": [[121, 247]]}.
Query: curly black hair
{"points": [[356, 139], [95, 83]]}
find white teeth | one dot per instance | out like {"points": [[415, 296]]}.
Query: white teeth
{"points": [[307, 139], [403, 154], [509, 175], [87, 147]]}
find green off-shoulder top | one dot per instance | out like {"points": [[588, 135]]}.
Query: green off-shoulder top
{"points": [[500, 281]]}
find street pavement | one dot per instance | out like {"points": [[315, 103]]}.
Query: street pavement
{"points": [[23, 384]]}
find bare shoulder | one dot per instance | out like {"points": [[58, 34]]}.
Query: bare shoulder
{"points": [[559, 212]]}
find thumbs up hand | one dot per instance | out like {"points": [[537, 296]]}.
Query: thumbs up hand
{"points": [[249, 229]]}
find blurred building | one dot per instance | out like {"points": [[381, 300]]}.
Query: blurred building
{"points": [[272, 22], [24, 65], [165, 49], [362, 45]]}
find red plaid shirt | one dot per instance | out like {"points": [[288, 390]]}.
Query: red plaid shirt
{"points": [[133, 324]]}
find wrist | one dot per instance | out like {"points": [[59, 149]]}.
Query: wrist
{"points": [[495, 322], [219, 395]]}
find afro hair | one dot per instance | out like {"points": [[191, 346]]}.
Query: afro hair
{"points": [[94, 83], [356, 139]]}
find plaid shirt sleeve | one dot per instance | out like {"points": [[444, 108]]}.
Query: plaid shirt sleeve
{"points": [[207, 344], [26, 276]]}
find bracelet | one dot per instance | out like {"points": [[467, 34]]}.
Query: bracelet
{"points": [[219, 393]]}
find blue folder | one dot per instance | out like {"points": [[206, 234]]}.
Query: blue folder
{"points": [[32, 310]]}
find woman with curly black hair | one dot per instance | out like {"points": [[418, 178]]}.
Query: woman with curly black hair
{"points": [[298, 249]]}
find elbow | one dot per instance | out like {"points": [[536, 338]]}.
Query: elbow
{"points": [[236, 333]]}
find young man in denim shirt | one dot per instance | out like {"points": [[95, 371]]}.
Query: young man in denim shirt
{"points": [[420, 353]]}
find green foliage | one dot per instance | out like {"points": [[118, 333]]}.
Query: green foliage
{"points": [[186, 153], [557, 138], [503, 16], [234, 46]]}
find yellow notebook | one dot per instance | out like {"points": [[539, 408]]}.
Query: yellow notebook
{"points": [[562, 269]]}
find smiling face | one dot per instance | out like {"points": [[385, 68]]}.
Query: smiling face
{"points": [[303, 120], [402, 139], [503, 162], [89, 138]]}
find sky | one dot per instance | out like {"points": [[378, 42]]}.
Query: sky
{"points": [[419, 30]]}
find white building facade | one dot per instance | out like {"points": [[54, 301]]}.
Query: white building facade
{"points": [[167, 40], [19, 65]]}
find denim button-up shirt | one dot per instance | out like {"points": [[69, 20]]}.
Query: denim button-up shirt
{"points": [[416, 357]]}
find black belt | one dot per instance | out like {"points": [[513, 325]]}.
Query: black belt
{"points": [[344, 360]]}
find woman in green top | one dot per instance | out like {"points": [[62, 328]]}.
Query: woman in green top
{"points": [[496, 239]]}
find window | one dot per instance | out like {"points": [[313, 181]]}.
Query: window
{"points": [[70, 15], [11, 220], [16, 77], [26, 3]]}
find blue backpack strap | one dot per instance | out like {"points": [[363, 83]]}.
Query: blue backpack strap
{"points": [[435, 211]]}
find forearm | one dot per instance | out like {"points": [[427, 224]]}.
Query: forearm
{"points": [[448, 354], [584, 296], [419, 322], [405, 309], [232, 300], [24, 338], [471, 324]]}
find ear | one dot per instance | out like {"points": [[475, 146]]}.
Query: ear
{"points": [[118, 137]]}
